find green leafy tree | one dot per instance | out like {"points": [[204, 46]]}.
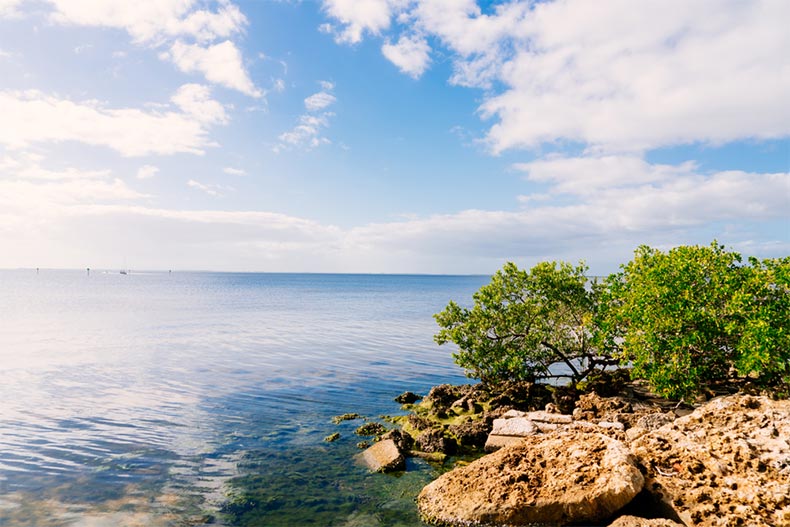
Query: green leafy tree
{"points": [[696, 316], [523, 322]]}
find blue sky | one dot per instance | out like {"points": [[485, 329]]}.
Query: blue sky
{"points": [[437, 136]]}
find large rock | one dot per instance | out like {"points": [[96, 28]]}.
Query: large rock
{"points": [[727, 463], [434, 441], [635, 521], [558, 478], [508, 431], [383, 456], [516, 426]]}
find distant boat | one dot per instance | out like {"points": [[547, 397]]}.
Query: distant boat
{"points": [[123, 271]]}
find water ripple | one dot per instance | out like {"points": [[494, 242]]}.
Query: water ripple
{"points": [[155, 384]]}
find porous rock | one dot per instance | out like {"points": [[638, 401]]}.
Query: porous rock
{"points": [[435, 441], [495, 442], [635, 521], [654, 421], [557, 478], [727, 463], [471, 434], [407, 398], [546, 417], [591, 407], [384, 456], [516, 426], [402, 440]]}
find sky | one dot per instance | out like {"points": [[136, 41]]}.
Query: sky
{"points": [[389, 136]]}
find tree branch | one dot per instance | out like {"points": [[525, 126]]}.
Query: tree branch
{"points": [[563, 357]]}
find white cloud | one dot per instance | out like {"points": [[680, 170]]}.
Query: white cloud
{"points": [[159, 23], [34, 197], [147, 172], [234, 171], [220, 63], [34, 117], [69, 211], [152, 20], [358, 17], [621, 217], [585, 175], [210, 189], [614, 75], [464, 28], [409, 54], [307, 134], [8, 8], [319, 101], [674, 74], [195, 100]]}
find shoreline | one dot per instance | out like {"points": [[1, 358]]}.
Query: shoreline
{"points": [[470, 425]]}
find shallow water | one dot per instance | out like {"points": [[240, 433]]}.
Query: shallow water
{"points": [[196, 398]]}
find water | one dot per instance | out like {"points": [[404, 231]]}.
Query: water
{"points": [[203, 398]]}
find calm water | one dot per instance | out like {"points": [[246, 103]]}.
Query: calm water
{"points": [[204, 398]]}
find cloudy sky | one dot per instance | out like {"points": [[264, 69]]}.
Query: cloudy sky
{"points": [[437, 136]]}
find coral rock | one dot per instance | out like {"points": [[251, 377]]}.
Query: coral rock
{"points": [[383, 456], [563, 477], [634, 521], [727, 463]]}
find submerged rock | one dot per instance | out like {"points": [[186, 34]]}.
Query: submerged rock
{"points": [[471, 434], [370, 429], [407, 398], [556, 478], [403, 441], [727, 463], [384, 456], [345, 417], [435, 441]]}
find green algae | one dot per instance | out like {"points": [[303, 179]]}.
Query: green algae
{"points": [[346, 417], [370, 429]]}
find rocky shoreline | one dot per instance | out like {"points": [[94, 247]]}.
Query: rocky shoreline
{"points": [[615, 455]]}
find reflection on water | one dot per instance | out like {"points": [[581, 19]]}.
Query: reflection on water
{"points": [[148, 399]]}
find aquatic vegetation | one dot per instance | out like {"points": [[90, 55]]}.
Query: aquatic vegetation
{"points": [[345, 417], [370, 429], [322, 487]]}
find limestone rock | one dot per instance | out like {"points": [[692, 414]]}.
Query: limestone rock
{"points": [[727, 463], [564, 477], [635, 521], [407, 398], [655, 421], [435, 441], [403, 441], [508, 431], [612, 424], [516, 426], [591, 407], [495, 442], [546, 417], [383, 456], [471, 434]]}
